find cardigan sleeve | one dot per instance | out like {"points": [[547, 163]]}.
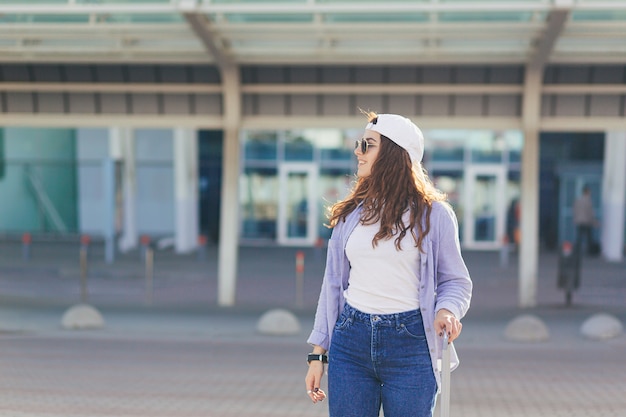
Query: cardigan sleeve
{"points": [[453, 282], [330, 294]]}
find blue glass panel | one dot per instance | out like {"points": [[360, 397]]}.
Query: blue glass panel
{"points": [[377, 18], [336, 154], [298, 150], [486, 17], [22, 2], [446, 145], [142, 18], [261, 148], [44, 18], [486, 146], [269, 18], [124, 1], [255, 1], [598, 15], [259, 203], [479, 155], [41, 178], [2, 161], [447, 155]]}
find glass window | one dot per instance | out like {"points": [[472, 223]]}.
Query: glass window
{"points": [[336, 154], [445, 145], [261, 146], [598, 15], [514, 143], [486, 146], [41, 176], [21, 2], [141, 18], [377, 18], [252, 1], [333, 144], [485, 17], [451, 182], [122, 1], [269, 18], [44, 18], [334, 185], [259, 203], [484, 207], [298, 147]]}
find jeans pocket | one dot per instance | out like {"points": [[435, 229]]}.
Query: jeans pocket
{"points": [[343, 322], [414, 330]]}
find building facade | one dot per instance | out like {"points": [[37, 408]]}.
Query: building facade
{"points": [[235, 120]]}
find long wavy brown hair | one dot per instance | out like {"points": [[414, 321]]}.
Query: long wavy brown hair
{"points": [[394, 186]]}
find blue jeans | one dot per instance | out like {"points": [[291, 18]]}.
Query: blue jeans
{"points": [[380, 359]]}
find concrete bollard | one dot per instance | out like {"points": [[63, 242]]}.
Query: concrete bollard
{"points": [[601, 326], [527, 328], [278, 322], [82, 316]]}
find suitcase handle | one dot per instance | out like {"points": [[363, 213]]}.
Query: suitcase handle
{"points": [[445, 376]]}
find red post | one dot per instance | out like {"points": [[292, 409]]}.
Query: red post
{"points": [[144, 240], [504, 252], [299, 262], [85, 240], [567, 248], [201, 251], [27, 240], [299, 278]]}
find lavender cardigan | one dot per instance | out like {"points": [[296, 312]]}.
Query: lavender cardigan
{"points": [[444, 280]]}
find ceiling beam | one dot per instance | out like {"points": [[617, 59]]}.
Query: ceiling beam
{"points": [[201, 27], [111, 88], [556, 22], [310, 89]]}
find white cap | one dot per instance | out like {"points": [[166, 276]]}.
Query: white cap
{"points": [[403, 132]]}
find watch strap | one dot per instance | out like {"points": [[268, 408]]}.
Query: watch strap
{"points": [[317, 357]]}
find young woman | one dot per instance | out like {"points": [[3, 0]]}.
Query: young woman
{"points": [[395, 280]]}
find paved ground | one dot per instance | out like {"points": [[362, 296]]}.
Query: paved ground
{"points": [[184, 356]]}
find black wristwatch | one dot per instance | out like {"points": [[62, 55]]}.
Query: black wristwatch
{"points": [[317, 357]]}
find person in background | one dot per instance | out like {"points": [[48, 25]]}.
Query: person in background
{"points": [[512, 223], [395, 280], [585, 221]]}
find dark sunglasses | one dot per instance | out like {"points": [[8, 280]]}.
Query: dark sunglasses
{"points": [[362, 143]]}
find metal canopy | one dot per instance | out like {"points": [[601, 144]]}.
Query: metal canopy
{"points": [[282, 32]]}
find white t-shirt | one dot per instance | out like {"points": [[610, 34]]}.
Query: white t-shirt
{"points": [[383, 280]]}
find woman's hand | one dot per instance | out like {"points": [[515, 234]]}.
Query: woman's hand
{"points": [[446, 321], [313, 380]]}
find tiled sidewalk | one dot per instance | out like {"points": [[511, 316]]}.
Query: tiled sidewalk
{"points": [[186, 357]]}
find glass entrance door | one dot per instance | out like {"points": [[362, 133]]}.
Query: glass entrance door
{"points": [[485, 206], [297, 207]]}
